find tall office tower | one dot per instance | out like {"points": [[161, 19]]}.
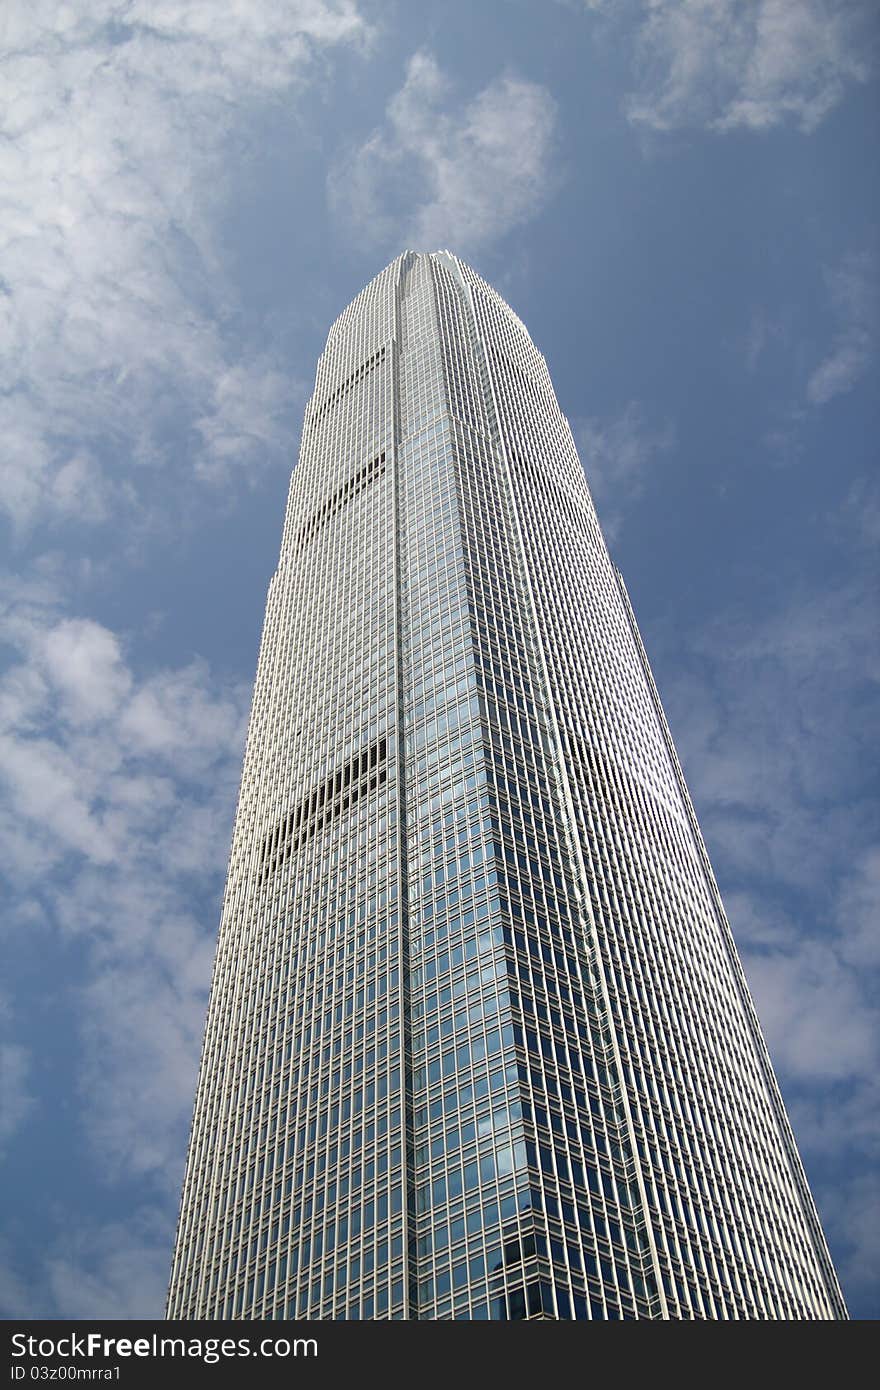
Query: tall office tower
{"points": [[479, 1043]]}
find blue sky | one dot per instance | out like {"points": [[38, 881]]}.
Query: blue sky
{"points": [[680, 199]]}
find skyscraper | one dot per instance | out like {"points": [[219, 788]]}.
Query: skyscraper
{"points": [[479, 1043]]}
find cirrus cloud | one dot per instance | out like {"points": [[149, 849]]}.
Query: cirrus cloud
{"points": [[783, 792], [443, 173], [116, 145], [117, 787], [725, 65], [852, 291]]}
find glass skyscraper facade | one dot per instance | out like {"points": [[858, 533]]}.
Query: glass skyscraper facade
{"points": [[479, 1044]]}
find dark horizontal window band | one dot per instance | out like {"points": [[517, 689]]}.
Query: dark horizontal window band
{"points": [[348, 384], [364, 773], [349, 489]]}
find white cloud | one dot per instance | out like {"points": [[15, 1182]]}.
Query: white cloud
{"points": [[778, 780], [781, 787], [84, 664], [16, 1100], [618, 457], [764, 928], [766, 754], [142, 1017], [854, 1211], [820, 1027], [241, 417], [849, 349], [117, 1271], [727, 65], [17, 1299], [442, 173], [858, 910], [117, 791], [858, 518], [764, 333], [173, 716], [853, 294], [838, 1121], [113, 160]]}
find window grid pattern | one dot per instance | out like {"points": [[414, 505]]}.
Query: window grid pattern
{"points": [[703, 1109], [478, 1043]]}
